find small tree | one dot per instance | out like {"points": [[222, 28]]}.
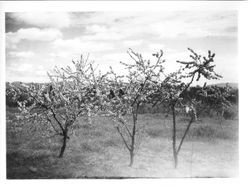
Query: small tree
{"points": [[172, 89], [216, 98], [70, 94], [128, 93]]}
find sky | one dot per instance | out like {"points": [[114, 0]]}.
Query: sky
{"points": [[37, 42]]}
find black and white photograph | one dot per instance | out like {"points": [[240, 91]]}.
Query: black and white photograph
{"points": [[109, 94]]}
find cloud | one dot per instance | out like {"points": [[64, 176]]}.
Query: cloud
{"points": [[59, 55], [32, 34], [21, 67], [22, 54], [107, 36], [102, 32], [24, 67], [44, 19], [187, 24], [77, 45], [26, 72], [156, 46], [132, 43], [196, 25], [107, 18], [116, 57], [179, 29], [95, 28]]}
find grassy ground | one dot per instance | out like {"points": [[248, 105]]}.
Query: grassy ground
{"points": [[210, 150]]}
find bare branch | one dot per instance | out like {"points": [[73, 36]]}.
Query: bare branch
{"points": [[124, 141]]}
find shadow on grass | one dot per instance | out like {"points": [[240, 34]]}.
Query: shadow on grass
{"points": [[21, 166]]}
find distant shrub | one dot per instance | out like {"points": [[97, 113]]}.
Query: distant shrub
{"points": [[204, 132], [110, 143], [229, 130], [231, 113], [91, 147], [154, 133]]}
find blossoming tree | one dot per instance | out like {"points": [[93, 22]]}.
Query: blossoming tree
{"points": [[72, 92]]}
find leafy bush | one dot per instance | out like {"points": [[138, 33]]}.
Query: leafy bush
{"points": [[231, 113], [204, 132]]}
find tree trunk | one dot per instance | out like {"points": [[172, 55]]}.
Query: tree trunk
{"points": [[175, 160], [65, 136], [131, 158], [132, 149], [132, 146], [175, 155]]}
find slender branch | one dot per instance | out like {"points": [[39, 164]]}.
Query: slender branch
{"points": [[186, 63], [54, 116], [138, 94], [124, 124], [184, 136], [188, 85], [132, 56], [123, 139], [52, 124], [40, 104], [158, 60]]}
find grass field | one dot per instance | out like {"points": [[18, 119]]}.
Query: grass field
{"points": [[210, 150]]}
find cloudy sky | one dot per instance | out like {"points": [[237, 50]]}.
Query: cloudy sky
{"points": [[36, 42]]}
